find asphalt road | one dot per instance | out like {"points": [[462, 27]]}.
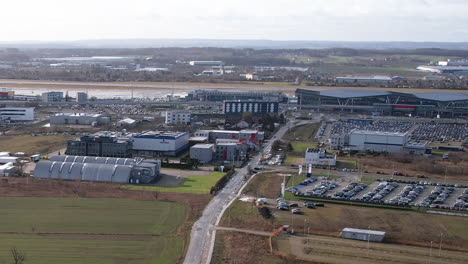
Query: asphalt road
{"points": [[203, 231]]}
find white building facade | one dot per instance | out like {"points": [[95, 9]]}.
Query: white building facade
{"points": [[17, 113], [155, 143], [376, 141], [316, 156], [177, 118]]}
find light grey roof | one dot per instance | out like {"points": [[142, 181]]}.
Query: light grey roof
{"points": [[202, 146], [442, 96], [82, 171], [378, 133], [364, 231], [98, 160], [345, 93]]}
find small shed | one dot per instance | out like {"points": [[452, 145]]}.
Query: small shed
{"points": [[363, 234]]}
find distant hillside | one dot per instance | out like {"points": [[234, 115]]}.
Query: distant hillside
{"points": [[230, 43]]}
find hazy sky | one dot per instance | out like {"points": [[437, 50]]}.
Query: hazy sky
{"points": [[356, 20]]}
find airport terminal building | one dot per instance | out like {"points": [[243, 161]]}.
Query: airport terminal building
{"points": [[381, 102]]}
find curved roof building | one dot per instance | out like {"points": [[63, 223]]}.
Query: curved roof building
{"points": [[103, 169], [99, 160], [83, 171]]}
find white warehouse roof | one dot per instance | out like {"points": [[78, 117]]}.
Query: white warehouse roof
{"points": [[364, 231]]}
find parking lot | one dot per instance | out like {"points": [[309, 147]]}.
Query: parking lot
{"points": [[387, 191]]}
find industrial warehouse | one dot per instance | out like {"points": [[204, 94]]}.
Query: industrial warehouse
{"points": [[425, 104], [124, 145], [102, 169]]}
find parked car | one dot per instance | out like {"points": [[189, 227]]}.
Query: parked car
{"points": [[296, 211]]}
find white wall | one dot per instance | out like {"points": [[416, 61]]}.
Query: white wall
{"points": [[17, 113]]}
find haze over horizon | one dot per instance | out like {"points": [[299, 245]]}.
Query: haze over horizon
{"points": [[331, 20]]}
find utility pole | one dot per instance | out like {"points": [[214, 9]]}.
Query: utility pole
{"points": [[440, 244], [368, 240], [430, 253]]}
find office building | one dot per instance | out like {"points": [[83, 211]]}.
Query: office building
{"points": [[100, 145], [17, 113], [257, 108], [317, 156], [50, 97], [82, 98], [202, 152], [229, 152], [155, 143], [177, 118]]}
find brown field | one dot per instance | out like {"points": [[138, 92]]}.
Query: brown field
{"points": [[347, 251], [188, 86], [32, 145], [402, 227], [433, 168], [234, 247]]}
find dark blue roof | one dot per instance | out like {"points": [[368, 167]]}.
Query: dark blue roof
{"points": [[348, 93]]}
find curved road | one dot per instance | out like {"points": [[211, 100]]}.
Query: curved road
{"points": [[203, 231]]}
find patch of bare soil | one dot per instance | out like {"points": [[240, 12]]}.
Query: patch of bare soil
{"points": [[236, 247]]}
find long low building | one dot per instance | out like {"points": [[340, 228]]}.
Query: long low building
{"points": [[382, 102], [98, 169], [377, 141], [219, 96], [363, 234], [79, 119]]}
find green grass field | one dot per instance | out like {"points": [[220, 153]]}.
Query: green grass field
{"points": [[198, 184], [303, 133], [301, 147], [79, 230]]}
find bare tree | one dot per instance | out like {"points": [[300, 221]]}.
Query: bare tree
{"points": [[18, 256]]}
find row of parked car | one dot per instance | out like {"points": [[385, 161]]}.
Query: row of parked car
{"points": [[282, 204], [379, 192], [462, 200], [321, 189], [456, 185], [350, 190], [406, 197], [437, 196], [306, 182]]}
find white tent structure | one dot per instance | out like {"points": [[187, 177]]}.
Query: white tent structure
{"points": [[83, 171], [98, 160], [102, 169]]}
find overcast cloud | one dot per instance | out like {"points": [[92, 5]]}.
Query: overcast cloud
{"points": [[354, 20]]}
